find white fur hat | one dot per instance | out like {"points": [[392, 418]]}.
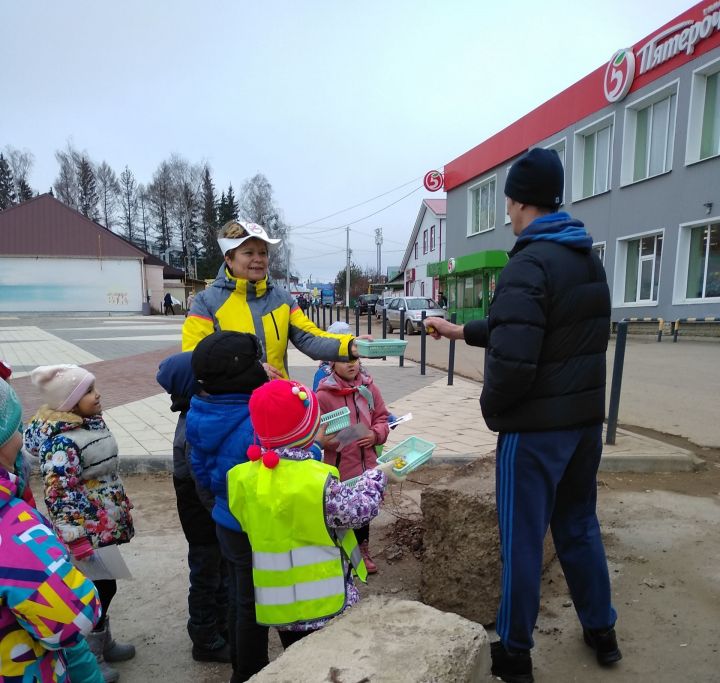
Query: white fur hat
{"points": [[62, 386], [252, 230]]}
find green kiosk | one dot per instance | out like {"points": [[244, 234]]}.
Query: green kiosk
{"points": [[468, 282]]}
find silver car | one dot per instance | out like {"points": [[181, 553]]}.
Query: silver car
{"points": [[413, 307]]}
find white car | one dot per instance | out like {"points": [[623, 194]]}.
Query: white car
{"points": [[413, 307]]}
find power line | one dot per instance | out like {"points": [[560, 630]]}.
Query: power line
{"points": [[354, 206]]}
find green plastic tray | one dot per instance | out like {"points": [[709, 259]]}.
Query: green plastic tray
{"points": [[414, 450], [378, 348], [336, 420]]}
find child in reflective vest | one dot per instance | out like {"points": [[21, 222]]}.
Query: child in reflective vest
{"points": [[298, 515]]}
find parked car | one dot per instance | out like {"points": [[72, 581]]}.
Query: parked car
{"points": [[382, 304], [366, 303], [413, 307]]}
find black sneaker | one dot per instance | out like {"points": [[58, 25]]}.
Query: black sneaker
{"points": [[604, 642], [215, 654], [511, 666]]}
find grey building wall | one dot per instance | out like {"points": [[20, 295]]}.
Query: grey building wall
{"points": [[662, 202]]}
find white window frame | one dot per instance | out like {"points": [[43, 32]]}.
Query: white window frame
{"points": [[507, 215], [627, 169], [695, 116], [681, 263], [579, 155], [604, 250], [621, 266], [557, 145], [477, 186]]}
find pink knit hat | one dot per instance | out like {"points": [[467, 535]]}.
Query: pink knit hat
{"points": [[62, 386]]}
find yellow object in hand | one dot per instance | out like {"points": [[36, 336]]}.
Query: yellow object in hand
{"points": [[399, 463]]}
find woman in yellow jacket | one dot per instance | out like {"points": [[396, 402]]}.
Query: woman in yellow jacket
{"points": [[243, 299]]}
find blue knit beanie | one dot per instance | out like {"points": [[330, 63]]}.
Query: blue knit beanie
{"points": [[10, 413]]}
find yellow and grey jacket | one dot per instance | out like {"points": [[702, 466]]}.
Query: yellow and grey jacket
{"points": [[270, 313], [298, 562]]}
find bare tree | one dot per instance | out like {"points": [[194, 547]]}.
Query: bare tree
{"points": [[185, 207], [128, 195], [20, 163], [159, 196], [108, 189], [142, 202], [66, 185], [257, 205]]}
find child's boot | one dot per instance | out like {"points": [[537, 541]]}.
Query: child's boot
{"points": [[114, 651], [96, 641], [369, 564]]}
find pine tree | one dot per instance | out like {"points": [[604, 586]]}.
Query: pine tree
{"points": [[232, 208], [211, 255], [25, 192], [87, 189], [7, 186], [222, 210]]}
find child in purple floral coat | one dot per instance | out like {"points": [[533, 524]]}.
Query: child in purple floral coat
{"points": [[84, 493]]}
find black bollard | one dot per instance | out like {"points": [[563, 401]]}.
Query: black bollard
{"points": [[618, 364], [402, 333], [451, 357], [369, 320], [324, 325], [384, 324], [423, 342], [357, 321]]}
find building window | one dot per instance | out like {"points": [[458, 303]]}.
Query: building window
{"points": [[649, 136], [703, 269], [507, 215], [416, 254], [599, 249], [425, 242], [432, 238], [704, 122], [642, 269], [422, 288], [482, 207], [593, 147]]}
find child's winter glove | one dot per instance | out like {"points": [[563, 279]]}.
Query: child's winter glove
{"points": [[81, 548], [387, 467]]}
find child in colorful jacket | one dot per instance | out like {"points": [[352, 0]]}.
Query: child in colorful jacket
{"points": [[37, 645], [298, 515], [84, 494], [350, 386]]}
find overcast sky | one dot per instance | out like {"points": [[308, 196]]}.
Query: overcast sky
{"points": [[335, 102]]}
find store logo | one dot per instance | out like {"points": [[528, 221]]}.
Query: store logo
{"points": [[433, 181], [619, 75], [451, 265], [683, 37]]}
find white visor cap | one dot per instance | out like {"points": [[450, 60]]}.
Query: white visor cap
{"points": [[253, 230]]}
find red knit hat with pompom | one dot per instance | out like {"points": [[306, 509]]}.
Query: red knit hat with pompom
{"points": [[284, 414]]}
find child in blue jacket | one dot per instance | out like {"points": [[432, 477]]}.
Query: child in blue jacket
{"points": [[227, 366]]}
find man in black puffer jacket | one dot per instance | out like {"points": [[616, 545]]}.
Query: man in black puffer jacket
{"points": [[544, 392]]}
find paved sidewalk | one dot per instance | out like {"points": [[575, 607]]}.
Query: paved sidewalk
{"points": [[138, 411]]}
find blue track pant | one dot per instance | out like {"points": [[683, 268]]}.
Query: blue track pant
{"points": [[549, 479]]}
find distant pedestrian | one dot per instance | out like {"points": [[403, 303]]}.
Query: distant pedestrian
{"points": [[84, 494], [299, 516], [189, 303], [168, 303], [207, 596], [544, 392]]}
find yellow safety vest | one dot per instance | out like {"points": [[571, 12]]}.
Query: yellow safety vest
{"points": [[298, 570]]}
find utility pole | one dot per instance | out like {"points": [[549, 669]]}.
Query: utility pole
{"points": [[378, 242], [287, 257], [347, 266]]}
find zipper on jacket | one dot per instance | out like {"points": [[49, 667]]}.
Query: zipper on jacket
{"points": [[357, 419], [277, 331]]}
